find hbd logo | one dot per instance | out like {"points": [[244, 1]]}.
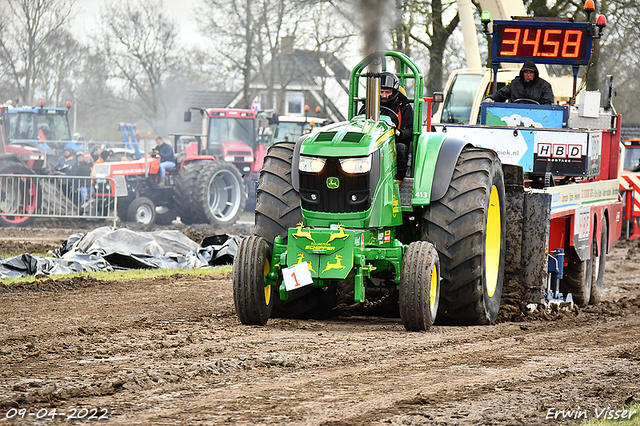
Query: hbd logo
{"points": [[559, 150]]}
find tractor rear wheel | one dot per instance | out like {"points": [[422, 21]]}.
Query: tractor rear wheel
{"points": [[220, 193], [184, 191], [18, 196], [278, 204], [142, 210], [251, 264], [599, 261], [209, 192], [419, 286], [467, 227], [277, 210]]}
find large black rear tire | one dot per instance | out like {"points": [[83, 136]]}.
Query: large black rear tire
{"points": [[251, 264], [185, 191], [419, 286], [278, 204], [467, 227], [209, 192], [17, 196], [220, 194]]}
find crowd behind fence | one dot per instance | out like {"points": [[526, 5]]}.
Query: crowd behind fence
{"points": [[57, 196]]}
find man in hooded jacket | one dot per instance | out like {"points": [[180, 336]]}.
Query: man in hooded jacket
{"points": [[528, 85]]}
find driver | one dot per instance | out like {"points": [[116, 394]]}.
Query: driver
{"points": [[528, 85]]}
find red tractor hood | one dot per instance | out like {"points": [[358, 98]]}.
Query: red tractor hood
{"points": [[236, 148]]}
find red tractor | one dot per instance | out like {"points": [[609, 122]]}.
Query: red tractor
{"points": [[28, 139], [230, 134], [200, 189]]}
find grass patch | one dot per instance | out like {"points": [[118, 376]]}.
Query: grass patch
{"points": [[20, 253], [126, 275], [634, 421]]}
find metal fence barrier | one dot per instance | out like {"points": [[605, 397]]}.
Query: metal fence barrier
{"points": [[53, 196]]}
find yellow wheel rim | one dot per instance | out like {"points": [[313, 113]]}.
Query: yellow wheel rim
{"points": [[434, 288], [267, 288], [492, 242]]}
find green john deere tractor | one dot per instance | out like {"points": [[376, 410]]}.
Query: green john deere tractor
{"points": [[329, 212]]}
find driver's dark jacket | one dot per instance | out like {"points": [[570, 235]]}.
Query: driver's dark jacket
{"points": [[166, 153], [402, 107], [537, 89]]}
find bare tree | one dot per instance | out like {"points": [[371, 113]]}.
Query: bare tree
{"points": [[235, 25], [25, 27], [140, 45], [423, 26], [59, 65]]}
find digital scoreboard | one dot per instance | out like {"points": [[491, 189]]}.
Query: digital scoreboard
{"points": [[544, 42]]}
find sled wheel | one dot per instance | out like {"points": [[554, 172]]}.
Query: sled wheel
{"points": [[419, 286], [142, 210], [576, 279], [253, 299], [467, 227], [599, 261]]}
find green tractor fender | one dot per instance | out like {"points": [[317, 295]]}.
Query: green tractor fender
{"points": [[436, 156]]}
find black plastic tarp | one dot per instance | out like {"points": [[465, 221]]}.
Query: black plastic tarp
{"points": [[104, 249]]}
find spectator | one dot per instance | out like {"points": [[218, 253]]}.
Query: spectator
{"points": [[66, 161], [82, 168], [95, 153], [104, 155]]}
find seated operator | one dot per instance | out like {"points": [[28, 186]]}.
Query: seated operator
{"points": [[528, 85], [395, 101], [167, 158]]}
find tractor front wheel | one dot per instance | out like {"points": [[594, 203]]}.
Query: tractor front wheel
{"points": [[419, 286], [252, 297], [142, 210]]}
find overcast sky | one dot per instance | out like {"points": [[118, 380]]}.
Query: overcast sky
{"points": [[181, 12]]}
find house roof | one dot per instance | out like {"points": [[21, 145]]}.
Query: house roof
{"points": [[302, 68]]}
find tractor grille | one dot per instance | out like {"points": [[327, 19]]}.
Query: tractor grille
{"points": [[352, 194]]}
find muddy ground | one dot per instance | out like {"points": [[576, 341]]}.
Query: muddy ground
{"points": [[171, 351]]}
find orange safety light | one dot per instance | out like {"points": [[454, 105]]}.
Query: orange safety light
{"points": [[589, 6], [41, 103], [318, 109], [306, 107]]}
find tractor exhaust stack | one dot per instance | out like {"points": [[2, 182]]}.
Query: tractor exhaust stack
{"points": [[372, 101]]}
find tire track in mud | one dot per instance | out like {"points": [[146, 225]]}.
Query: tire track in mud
{"points": [[170, 350], [372, 392]]}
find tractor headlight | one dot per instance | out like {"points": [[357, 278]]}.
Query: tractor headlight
{"points": [[311, 164], [356, 165]]}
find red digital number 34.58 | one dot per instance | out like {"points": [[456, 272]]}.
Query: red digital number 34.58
{"points": [[541, 43]]}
